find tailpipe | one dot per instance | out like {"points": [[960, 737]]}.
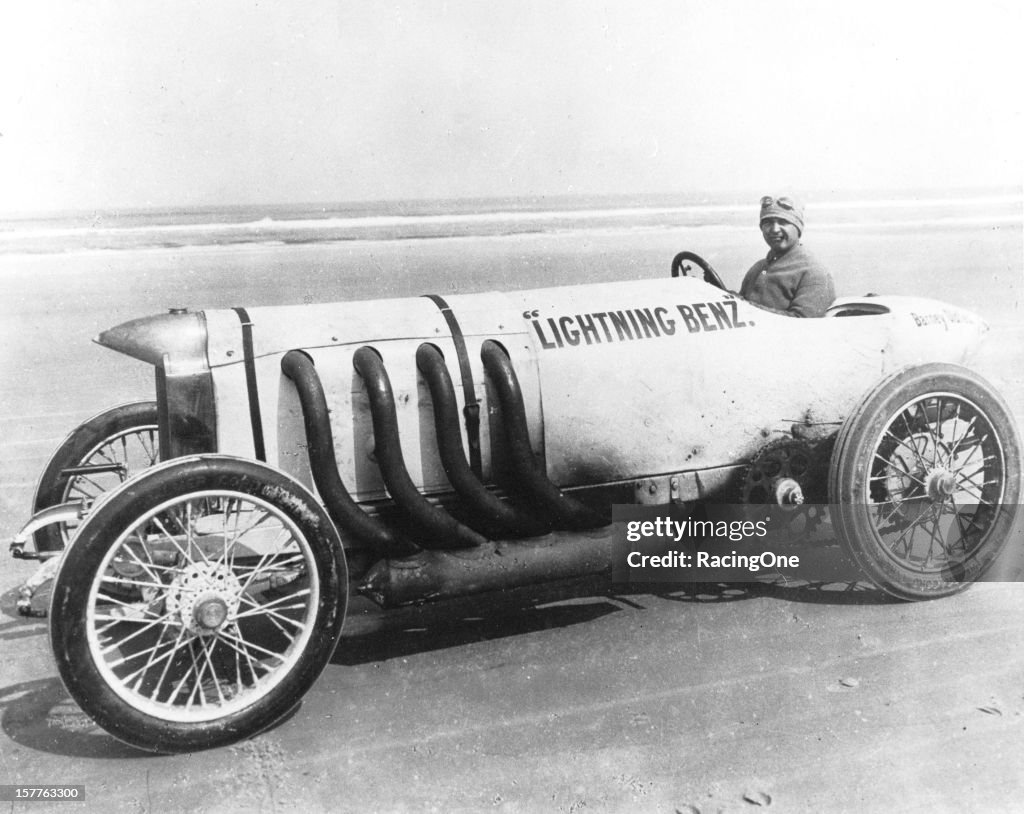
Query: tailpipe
{"points": [[499, 517], [344, 511], [435, 575], [438, 529], [566, 512]]}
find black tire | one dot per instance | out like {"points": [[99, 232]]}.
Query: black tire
{"points": [[125, 435], [241, 589], [925, 481]]}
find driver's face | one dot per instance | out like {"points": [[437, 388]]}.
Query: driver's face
{"points": [[780, 235]]}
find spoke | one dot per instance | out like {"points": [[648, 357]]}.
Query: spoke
{"points": [[198, 686], [239, 686], [124, 450], [213, 670], [145, 565], [296, 562], [910, 434], [152, 655], [899, 504], [273, 544], [247, 644], [910, 529], [969, 484], [107, 453], [260, 565], [176, 690], [228, 535], [166, 655], [888, 518], [975, 523], [162, 570], [115, 601], [938, 422], [920, 524], [263, 518], [114, 621], [162, 620], [964, 481], [966, 461], [277, 567], [275, 604], [967, 431], [959, 524], [930, 429], [159, 523], [191, 532], [145, 440], [182, 633], [268, 616], [899, 471], [152, 450], [273, 615], [132, 582], [153, 569], [79, 483], [271, 611], [934, 538], [956, 420], [240, 650], [912, 448], [982, 440]]}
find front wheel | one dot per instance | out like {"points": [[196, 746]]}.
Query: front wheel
{"points": [[198, 603], [925, 481]]}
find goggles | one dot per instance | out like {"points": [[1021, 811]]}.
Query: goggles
{"points": [[782, 203]]}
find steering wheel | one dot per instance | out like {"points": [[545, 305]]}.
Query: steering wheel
{"points": [[681, 265]]}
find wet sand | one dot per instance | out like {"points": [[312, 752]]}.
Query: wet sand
{"points": [[564, 698]]}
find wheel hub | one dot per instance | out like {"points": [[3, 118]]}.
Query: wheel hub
{"points": [[205, 597], [919, 459], [210, 612], [941, 483]]}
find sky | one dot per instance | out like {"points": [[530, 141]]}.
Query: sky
{"points": [[112, 104]]}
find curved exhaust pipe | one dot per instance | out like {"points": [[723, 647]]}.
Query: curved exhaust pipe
{"points": [[344, 511], [567, 512], [440, 529], [503, 518]]}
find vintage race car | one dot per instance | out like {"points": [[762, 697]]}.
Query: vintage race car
{"points": [[204, 543]]}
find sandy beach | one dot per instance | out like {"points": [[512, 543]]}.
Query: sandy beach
{"points": [[562, 699]]}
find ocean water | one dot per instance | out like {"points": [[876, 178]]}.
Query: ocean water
{"points": [[118, 230]]}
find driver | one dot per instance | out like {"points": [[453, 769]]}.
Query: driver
{"points": [[789, 281]]}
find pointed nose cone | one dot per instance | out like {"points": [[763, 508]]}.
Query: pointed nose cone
{"points": [[179, 335]]}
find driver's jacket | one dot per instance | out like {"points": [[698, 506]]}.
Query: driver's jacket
{"points": [[795, 284]]}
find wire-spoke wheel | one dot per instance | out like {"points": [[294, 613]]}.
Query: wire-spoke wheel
{"points": [[96, 457], [196, 605], [925, 479]]}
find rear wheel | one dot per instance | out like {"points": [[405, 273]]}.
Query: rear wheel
{"points": [[96, 457], [925, 481], [197, 605]]}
